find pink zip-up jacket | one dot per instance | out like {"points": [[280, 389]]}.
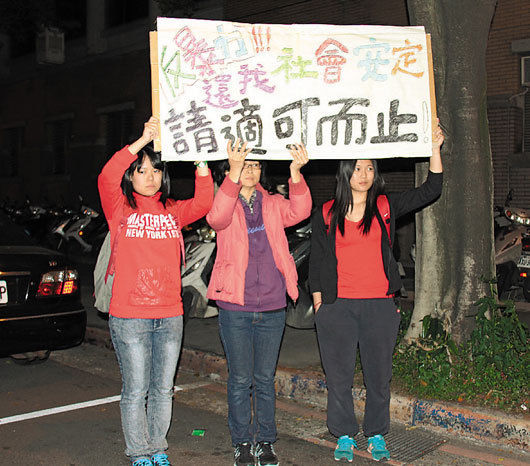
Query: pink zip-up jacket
{"points": [[227, 218]]}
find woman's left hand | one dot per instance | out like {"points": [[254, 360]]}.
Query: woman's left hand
{"points": [[437, 137], [435, 162], [300, 158]]}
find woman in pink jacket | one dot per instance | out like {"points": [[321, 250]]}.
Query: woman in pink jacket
{"points": [[252, 272]]}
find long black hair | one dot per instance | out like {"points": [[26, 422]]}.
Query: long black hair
{"points": [[223, 166], [344, 197], [156, 161]]}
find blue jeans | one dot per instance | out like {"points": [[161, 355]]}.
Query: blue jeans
{"points": [[147, 351], [252, 343]]}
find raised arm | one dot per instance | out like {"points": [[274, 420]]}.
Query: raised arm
{"points": [[416, 198], [298, 207], [224, 203], [109, 180], [435, 162], [190, 210]]}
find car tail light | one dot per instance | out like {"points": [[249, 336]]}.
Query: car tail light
{"points": [[526, 243], [523, 274], [58, 282]]}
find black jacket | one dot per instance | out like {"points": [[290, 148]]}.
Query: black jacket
{"points": [[323, 259]]}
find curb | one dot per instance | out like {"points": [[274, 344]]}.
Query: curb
{"points": [[489, 426]]}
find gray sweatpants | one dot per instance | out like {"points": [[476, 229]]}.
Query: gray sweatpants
{"points": [[372, 324]]}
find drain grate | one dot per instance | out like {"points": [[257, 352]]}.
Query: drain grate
{"points": [[404, 445]]}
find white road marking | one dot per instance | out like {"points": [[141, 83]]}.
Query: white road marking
{"points": [[85, 404]]}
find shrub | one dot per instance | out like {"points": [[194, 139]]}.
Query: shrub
{"points": [[491, 369]]}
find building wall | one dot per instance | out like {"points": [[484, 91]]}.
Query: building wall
{"points": [[510, 23], [111, 68], [78, 93], [506, 96]]}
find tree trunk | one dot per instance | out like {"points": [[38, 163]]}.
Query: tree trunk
{"points": [[454, 236]]}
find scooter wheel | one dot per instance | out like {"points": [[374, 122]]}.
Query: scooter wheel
{"points": [[526, 288]]}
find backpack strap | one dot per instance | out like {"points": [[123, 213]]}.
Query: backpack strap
{"points": [[383, 206], [114, 247], [326, 213]]}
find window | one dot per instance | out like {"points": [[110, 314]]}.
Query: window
{"points": [[124, 11], [11, 141], [59, 134]]}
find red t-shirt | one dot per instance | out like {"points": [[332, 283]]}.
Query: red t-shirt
{"points": [[360, 270]]}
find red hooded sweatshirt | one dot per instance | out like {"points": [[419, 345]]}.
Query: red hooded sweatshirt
{"points": [[147, 281]]}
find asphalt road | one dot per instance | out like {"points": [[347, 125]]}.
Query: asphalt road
{"points": [[92, 435]]}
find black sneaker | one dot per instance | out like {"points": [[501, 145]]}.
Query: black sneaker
{"points": [[265, 454], [243, 455]]}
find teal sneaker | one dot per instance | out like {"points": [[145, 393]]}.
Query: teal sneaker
{"points": [[160, 459], [344, 449], [142, 462], [377, 447]]}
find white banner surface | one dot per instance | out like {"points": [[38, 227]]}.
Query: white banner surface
{"points": [[344, 91]]}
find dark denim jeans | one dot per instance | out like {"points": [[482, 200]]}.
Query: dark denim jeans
{"points": [[147, 351], [252, 343]]}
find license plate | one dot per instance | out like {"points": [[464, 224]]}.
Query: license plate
{"points": [[524, 261], [3, 292]]}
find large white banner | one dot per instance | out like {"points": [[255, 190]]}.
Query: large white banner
{"points": [[344, 91]]}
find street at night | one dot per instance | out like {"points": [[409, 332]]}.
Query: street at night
{"points": [[84, 382]]}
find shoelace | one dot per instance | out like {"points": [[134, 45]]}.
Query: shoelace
{"points": [[242, 447], [378, 443], [346, 443], [160, 459], [142, 462], [265, 447]]}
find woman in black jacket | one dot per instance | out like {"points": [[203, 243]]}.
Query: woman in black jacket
{"points": [[353, 277]]}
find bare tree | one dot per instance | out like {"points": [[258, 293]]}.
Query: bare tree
{"points": [[455, 234]]}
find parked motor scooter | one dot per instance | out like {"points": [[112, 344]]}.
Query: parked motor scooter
{"points": [[200, 249], [512, 249], [73, 229], [300, 314]]}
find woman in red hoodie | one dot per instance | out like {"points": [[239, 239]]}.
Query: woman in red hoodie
{"points": [[146, 309]]}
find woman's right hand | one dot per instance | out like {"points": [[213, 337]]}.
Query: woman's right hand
{"points": [[236, 158], [150, 132], [151, 128]]}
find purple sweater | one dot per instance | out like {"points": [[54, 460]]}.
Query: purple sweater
{"points": [[264, 283]]}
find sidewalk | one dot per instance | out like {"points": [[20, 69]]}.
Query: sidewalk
{"points": [[300, 377]]}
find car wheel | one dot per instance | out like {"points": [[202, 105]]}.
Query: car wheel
{"points": [[31, 357]]}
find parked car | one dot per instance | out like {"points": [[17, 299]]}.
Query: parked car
{"points": [[40, 303]]}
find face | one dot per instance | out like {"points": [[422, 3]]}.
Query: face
{"points": [[363, 175], [251, 173], [146, 179]]}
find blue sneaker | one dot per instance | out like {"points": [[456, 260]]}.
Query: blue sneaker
{"points": [[160, 459], [344, 449], [377, 447], [142, 462]]}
